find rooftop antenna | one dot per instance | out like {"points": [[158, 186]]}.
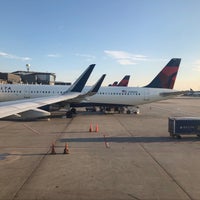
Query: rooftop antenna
{"points": [[28, 67]]}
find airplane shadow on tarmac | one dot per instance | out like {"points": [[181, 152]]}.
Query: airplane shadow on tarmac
{"points": [[110, 139], [133, 139]]}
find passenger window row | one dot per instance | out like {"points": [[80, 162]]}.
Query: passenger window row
{"points": [[16, 91], [113, 93]]}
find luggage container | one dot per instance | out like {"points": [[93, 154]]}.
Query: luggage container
{"points": [[178, 126]]}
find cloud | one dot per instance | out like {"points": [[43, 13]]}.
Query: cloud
{"points": [[10, 56], [125, 58], [54, 55]]}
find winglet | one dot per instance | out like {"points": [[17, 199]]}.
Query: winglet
{"points": [[92, 91], [79, 84], [96, 87], [166, 78]]}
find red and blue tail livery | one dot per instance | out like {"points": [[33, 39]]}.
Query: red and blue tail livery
{"points": [[124, 81], [166, 78]]}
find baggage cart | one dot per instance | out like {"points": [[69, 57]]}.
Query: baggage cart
{"points": [[178, 126]]}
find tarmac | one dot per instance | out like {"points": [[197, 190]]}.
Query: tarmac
{"points": [[129, 157]]}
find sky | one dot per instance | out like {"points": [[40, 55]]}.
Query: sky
{"points": [[134, 37]]}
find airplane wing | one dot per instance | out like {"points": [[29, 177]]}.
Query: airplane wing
{"points": [[14, 107]]}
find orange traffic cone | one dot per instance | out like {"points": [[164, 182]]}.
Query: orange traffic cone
{"points": [[91, 129], [66, 149], [53, 149], [97, 128]]}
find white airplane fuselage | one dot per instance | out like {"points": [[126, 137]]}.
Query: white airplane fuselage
{"points": [[130, 96]]}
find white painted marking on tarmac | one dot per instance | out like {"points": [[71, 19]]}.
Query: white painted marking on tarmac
{"points": [[38, 133]]}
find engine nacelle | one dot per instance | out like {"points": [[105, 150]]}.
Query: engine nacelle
{"points": [[31, 114], [34, 114]]}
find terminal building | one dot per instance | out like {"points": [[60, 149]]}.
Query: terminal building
{"points": [[30, 77]]}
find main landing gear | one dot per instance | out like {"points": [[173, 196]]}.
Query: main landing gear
{"points": [[69, 113]]}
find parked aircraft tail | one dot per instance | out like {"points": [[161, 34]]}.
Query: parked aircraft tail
{"points": [[124, 81], [166, 78], [115, 83]]}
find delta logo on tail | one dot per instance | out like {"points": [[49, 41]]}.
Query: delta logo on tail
{"points": [[166, 78]]}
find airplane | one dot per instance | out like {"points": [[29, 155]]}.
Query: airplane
{"points": [[160, 88], [123, 82], [30, 107], [192, 93]]}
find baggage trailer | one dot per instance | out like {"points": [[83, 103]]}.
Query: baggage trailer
{"points": [[178, 126]]}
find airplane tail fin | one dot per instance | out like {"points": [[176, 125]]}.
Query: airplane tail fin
{"points": [[115, 83], [166, 78], [124, 81]]}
